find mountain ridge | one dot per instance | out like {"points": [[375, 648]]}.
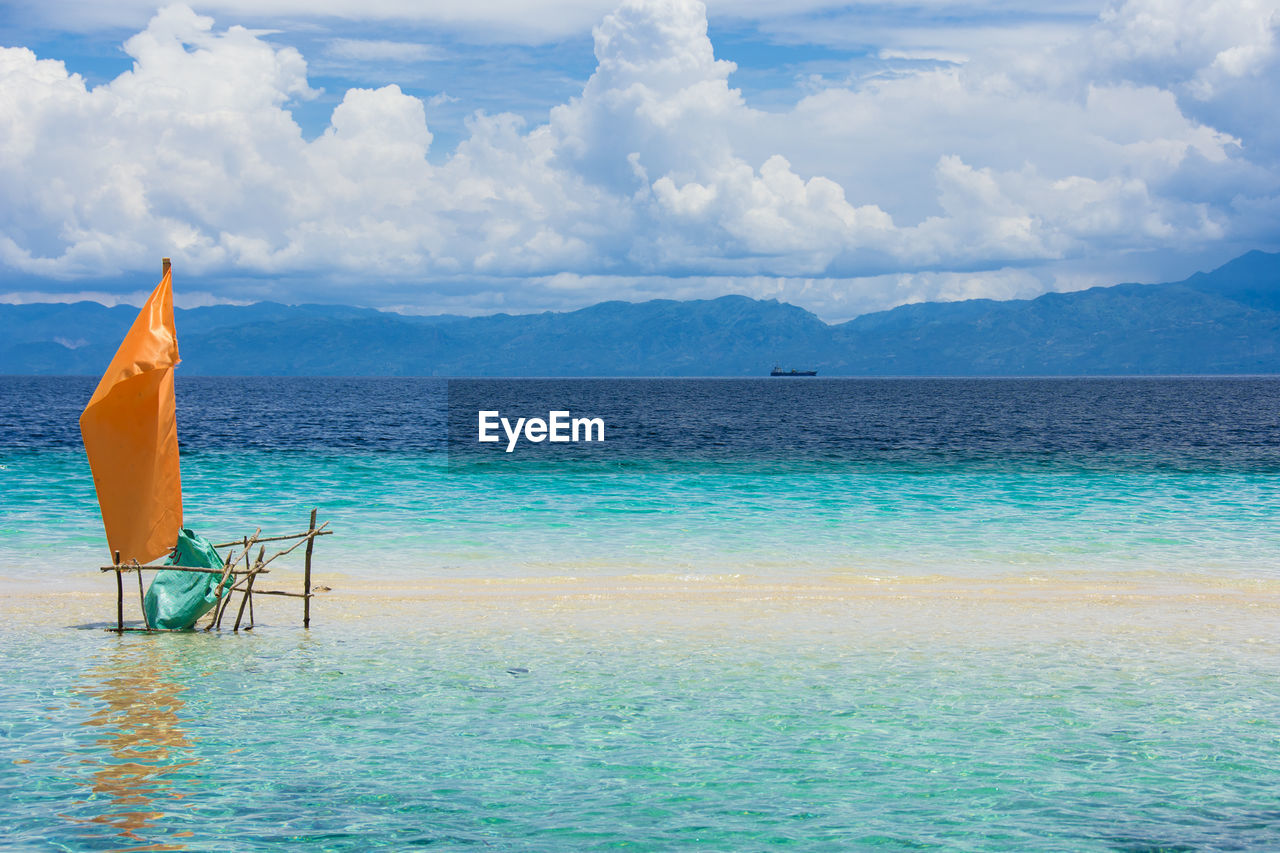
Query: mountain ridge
{"points": [[1223, 321]]}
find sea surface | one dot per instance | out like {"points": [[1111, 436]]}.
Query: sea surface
{"points": [[805, 614]]}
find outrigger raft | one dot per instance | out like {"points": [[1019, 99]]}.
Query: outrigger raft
{"points": [[131, 438]]}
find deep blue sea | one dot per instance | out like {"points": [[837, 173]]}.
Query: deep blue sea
{"points": [[811, 614]]}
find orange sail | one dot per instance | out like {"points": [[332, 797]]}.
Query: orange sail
{"points": [[131, 435]]}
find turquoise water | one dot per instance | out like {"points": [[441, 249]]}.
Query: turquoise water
{"points": [[1051, 627], [971, 519], [553, 741]]}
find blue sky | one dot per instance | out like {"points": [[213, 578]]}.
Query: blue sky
{"points": [[471, 157]]}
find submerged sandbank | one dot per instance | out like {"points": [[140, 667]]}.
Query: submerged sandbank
{"points": [[844, 609]]}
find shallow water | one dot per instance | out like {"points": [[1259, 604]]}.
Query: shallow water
{"points": [[574, 734], [426, 519], [958, 615]]}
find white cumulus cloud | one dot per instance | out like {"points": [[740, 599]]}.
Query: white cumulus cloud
{"points": [[1130, 140]]}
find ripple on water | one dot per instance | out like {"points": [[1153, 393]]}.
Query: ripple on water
{"points": [[533, 736]]}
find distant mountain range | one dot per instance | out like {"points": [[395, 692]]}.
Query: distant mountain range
{"points": [[1222, 322]]}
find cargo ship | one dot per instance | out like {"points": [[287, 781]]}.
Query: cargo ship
{"points": [[778, 371]]}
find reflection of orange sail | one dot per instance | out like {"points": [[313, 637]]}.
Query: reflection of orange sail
{"points": [[143, 744], [130, 433]]}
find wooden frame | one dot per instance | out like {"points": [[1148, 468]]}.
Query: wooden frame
{"points": [[233, 577]]}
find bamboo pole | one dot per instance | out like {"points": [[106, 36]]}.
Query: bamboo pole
{"points": [[119, 596], [164, 265], [228, 567], [221, 607], [202, 569], [319, 532], [261, 568], [304, 539], [306, 573], [244, 599], [248, 579], [142, 601]]}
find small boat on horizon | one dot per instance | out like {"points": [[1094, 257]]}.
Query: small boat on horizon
{"points": [[778, 371]]}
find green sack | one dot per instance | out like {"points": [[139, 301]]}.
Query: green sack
{"points": [[175, 600]]}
